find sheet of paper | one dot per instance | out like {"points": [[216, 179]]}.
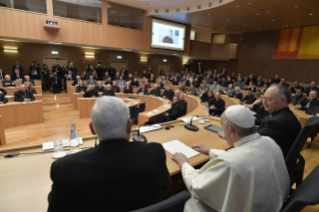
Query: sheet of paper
{"points": [[188, 119], [149, 114], [155, 111], [177, 146], [165, 105], [150, 128]]}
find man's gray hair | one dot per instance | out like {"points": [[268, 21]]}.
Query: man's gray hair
{"points": [[241, 132], [283, 92], [110, 116]]}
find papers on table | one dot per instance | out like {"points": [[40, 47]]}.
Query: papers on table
{"points": [[50, 145], [155, 111], [188, 119], [150, 128], [177, 146]]}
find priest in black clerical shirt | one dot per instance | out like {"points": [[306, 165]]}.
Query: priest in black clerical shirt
{"points": [[90, 92], [108, 91], [115, 88], [23, 95], [7, 82], [168, 93], [156, 91], [99, 87], [81, 88]]}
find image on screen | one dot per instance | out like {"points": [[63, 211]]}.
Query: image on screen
{"points": [[168, 35]]}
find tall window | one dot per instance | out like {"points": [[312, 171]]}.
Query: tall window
{"points": [[123, 16], [38, 6], [81, 10]]}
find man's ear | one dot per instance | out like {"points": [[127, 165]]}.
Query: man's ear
{"points": [[92, 129], [129, 126]]}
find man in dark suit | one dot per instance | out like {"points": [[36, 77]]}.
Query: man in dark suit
{"points": [[313, 87], [216, 105], [99, 87], [17, 75], [293, 89], [249, 98], [238, 94], [17, 66], [27, 79], [160, 84], [281, 125], [124, 73], [299, 98], [309, 104], [168, 39], [276, 80], [23, 95], [3, 99], [168, 93], [259, 83], [183, 104], [174, 112], [115, 88], [156, 91], [81, 88], [199, 69], [2, 75], [90, 92], [7, 82], [116, 175], [108, 91], [142, 90], [76, 81], [185, 81]]}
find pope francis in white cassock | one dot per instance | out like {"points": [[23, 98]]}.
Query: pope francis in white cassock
{"points": [[252, 176]]}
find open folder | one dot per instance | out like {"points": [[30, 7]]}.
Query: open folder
{"points": [[177, 146]]}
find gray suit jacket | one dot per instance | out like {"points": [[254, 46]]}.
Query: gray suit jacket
{"points": [[91, 82], [119, 84], [296, 101]]}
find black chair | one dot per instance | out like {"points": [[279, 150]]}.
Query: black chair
{"points": [[173, 204], [134, 114], [91, 20], [306, 194], [23, 8], [3, 5], [141, 108], [294, 161]]}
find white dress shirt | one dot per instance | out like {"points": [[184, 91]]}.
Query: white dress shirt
{"points": [[252, 176]]}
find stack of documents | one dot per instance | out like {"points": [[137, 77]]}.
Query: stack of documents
{"points": [[177, 146]]}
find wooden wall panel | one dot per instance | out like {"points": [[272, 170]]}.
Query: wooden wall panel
{"points": [[203, 36], [200, 49], [218, 38]]}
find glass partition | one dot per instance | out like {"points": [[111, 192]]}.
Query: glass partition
{"points": [[123, 16], [38, 6], [81, 10]]}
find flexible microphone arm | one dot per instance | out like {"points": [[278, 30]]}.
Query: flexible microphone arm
{"points": [[190, 126], [139, 137]]}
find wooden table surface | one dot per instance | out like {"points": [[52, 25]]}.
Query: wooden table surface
{"points": [[25, 180]]}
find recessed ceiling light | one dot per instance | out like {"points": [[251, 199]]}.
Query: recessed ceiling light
{"points": [[296, 6], [287, 25], [249, 3], [310, 14], [257, 13], [259, 29], [223, 28], [206, 24], [237, 6], [273, 20], [268, 11], [228, 19], [245, 24], [235, 28], [208, 14]]}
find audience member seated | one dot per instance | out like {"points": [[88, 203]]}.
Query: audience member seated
{"points": [[117, 76], [196, 83], [17, 66], [103, 171], [121, 82], [135, 83], [156, 91], [260, 113], [216, 105], [7, 82], [299, 98], [228, 82], [35, 71], [313, 87], [16, 75], [23, 95], [160, 84], [283, 82], [256, 104], [192, 90], [91, 81], [249, 98], [293, 89], [250, 79], [56, 84], [99, 87], [174, 112], [115, 88], [281, 125], [276, 80], [264, 88], [215, 87], [142, 90], [2, 75], [270, 82], [108, 81], [144, 75], [313, 101], [135, 75], [106, 76], [185, 81], [241, 178], [259, 83], [204, 96], [168, 93], [239, 83], [81, 88], [183, 88], [3, 99], [238, 94], [229, 91], [30, 87], [147, 83], [95, 76], [252, 87], [27, 79], [204, 85], [152, 79], [69, 77], [77, 81], [108, 91], [183, 104], [90, 92], [128, 89], [130, 78]]}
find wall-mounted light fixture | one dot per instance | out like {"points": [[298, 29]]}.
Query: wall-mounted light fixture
{"points": [[89, 55], [54, 52], [185, 60], [144, 59], [119, 57], [164, 60], [10, 49]]}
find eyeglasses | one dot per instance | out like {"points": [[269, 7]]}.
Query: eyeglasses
{"points": [[266, 99]]}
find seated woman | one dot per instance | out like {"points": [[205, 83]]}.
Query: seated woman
{"points": [[7, 82], [30, 87], [84, 76]]}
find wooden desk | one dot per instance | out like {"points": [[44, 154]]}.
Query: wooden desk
{"points": [[86, 104], [194, 107], [2, 135], [300, 115], [25, 180], [11, 97], [11, 90], [17, 113], [229, 101]]}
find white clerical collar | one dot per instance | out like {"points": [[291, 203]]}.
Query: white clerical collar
{"points": [[246, 139]]}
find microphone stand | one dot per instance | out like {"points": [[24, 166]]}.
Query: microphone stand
{"points": [[190, 126], [139, 137]]}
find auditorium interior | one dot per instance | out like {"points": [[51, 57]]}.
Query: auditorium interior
{"points": [[59, 44]]}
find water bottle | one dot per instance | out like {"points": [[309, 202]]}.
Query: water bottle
{"points": [[74, 139]]}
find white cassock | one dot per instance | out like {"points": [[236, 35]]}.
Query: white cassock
{"points": [[252, 176]]}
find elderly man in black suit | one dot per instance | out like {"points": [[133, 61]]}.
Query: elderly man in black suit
{"points": [[313, 87], [17, 66], [17, 75], [116, 175], [168, 93], [23, 95], [309, 104], [124, 73]]}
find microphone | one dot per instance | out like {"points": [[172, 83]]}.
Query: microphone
{"points": [[139, 137], [190, 126]]}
